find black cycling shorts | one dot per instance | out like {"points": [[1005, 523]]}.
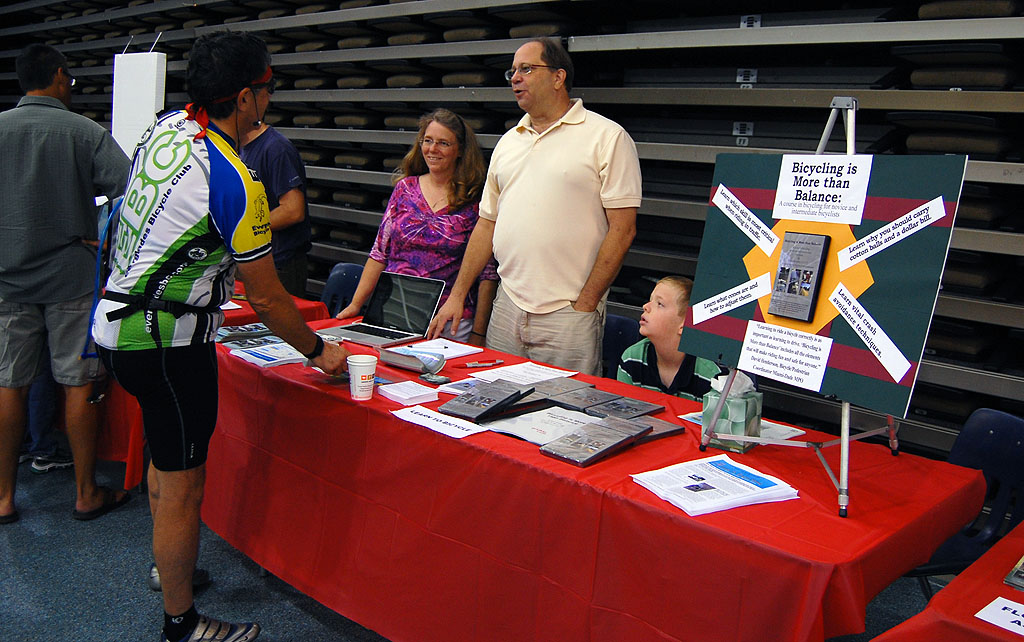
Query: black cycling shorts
{"points": [[177, 390]]}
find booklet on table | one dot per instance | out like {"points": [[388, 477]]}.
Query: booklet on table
{"points": [[713, 484]]}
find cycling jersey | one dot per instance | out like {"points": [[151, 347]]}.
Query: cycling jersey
{"points": [[191, 211]]}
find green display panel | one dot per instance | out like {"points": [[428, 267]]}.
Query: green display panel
{"points": [[835, 293]]}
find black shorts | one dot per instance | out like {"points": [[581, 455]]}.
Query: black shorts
{"points": [[177, 390]]}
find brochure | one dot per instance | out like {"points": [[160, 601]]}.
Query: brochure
{"points": [[236, 332], [713, 484], [769, 429], [541, 426], [275, 354], [253, 342]]}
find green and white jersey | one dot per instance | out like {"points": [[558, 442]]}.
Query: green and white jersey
{"points": [[191, 210]]}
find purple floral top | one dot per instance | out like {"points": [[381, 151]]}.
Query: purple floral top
{"points": [[412, 239]]}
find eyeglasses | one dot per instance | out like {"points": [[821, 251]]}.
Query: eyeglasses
{"points": [[524, 69], [270, 85], [443, 144], [68, 74]]}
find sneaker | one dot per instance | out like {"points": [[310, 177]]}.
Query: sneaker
{"points": [[46, 463], [210, 629], [200, 577]]}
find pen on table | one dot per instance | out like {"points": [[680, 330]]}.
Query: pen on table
{"points": [[480, 364]]}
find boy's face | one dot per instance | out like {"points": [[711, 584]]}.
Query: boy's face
{"points": [[661, 318]]}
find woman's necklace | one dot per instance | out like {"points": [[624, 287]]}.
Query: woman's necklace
{"points": [[443, 198]]}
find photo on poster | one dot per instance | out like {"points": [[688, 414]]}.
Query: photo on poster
{"points": [[797, 281]]}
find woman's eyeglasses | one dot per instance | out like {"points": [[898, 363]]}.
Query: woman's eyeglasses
{"points": [[443, 144]]}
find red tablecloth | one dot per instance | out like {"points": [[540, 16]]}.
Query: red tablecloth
{"points": [[121, 437], [949, 616], [422, 537]]}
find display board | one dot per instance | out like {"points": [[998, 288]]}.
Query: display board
{"points": [[139, 89], [823, 271]]}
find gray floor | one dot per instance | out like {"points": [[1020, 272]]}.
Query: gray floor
{"points": [[67, 580]]}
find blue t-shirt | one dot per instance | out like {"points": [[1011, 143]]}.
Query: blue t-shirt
{"points": [[279, 167]]}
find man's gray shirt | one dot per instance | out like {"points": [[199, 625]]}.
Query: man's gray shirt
{"points": [[53, 164]]}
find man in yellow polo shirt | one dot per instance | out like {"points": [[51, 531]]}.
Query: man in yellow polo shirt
{"points": [[558, 212]]}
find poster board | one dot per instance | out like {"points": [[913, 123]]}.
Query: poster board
{"points": [[888, 220], [139, 84]]}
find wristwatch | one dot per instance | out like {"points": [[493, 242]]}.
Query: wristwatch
{"points": [[318, 349]]}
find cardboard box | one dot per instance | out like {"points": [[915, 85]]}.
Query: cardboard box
{"points": [[741, 416]]}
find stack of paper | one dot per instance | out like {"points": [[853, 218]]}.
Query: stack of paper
{"points": [[769, 429], [523, 373], [712, 484], [450, 349], [408, 393], [275, 354]]}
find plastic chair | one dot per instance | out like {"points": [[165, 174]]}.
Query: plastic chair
{"points": [[341, 286], [619, 333], [993, 442]]}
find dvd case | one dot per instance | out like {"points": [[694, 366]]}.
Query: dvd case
{"points": [[798, 278]]}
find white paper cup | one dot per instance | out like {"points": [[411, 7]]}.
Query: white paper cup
{"points": [[361, 369]]}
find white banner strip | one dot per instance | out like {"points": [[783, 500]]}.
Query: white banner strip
{"points": [[892, 233], [744, 219], [870, 333], [784, 354], [734, 298]]}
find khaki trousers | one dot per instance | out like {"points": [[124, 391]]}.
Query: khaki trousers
{"points": [[564, 338]]}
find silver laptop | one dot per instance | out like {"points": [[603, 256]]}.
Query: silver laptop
{"points": [[399, 310]]}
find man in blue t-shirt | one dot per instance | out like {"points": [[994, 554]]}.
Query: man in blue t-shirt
{"points": [[279, 167]]}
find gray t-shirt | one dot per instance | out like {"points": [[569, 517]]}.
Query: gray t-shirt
{"points": [[53, 164]]}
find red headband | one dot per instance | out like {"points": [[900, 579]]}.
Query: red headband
{"points": [[198, 113]]}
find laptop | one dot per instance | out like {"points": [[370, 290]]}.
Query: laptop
{"points": [[399, 311]]}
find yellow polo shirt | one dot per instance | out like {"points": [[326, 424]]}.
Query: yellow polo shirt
{"points": [[547, 194]]}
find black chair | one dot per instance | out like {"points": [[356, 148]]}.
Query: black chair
{"points": [[619, 333], [341, 286], [992, 441]]}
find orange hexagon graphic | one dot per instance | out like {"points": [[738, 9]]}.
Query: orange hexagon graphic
{"points": [[856, 278]]}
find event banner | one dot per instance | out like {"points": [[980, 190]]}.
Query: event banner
{"points": [[822, 272]]}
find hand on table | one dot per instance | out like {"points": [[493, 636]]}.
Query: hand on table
{"points": [[351, 310], [450, 311], [332, 359]]}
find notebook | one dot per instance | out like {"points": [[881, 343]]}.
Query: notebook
{"points": [[399, 310]]}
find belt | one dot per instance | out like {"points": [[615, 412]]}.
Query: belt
{"points": [[136, 302]]}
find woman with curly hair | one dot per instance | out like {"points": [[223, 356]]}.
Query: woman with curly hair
{"points": [[430, 215]]}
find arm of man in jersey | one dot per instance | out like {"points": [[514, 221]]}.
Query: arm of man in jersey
{"points": [[249, 241], [277, 310]]}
